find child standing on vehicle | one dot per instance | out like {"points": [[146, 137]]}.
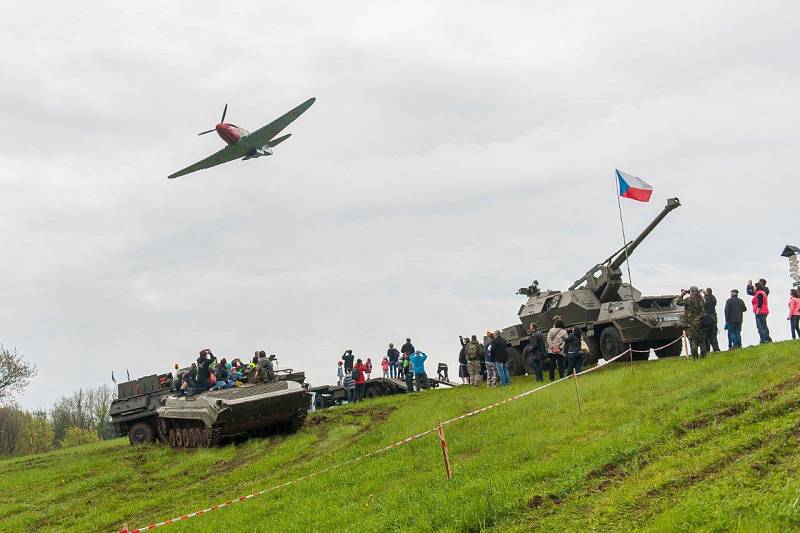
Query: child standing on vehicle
{"points": [[368, 367], [340, 372], [385, 367]]}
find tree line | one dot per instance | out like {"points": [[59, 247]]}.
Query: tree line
{"points": [[78, 418]]}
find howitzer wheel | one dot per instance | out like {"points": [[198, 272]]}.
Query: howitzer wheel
{"points": [[172, 438], [611, 343], [206, 439], [373, 392], [185, 433], [178, 437], [197, 437]]}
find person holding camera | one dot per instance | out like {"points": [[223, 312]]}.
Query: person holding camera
{"points": [[692, 300], [760, 294]]}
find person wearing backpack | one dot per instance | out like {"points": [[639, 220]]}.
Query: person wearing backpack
{"points": [[474, 351], [556, 338], [359, 371]]}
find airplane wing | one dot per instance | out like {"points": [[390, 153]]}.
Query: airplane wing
{"points": [[263, 135], [229, 153]]}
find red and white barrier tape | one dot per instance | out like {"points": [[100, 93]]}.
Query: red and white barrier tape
{"points": [[659, 348], [407, 440]]}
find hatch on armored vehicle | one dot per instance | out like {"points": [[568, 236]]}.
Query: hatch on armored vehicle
{"points": [[611, 315]]}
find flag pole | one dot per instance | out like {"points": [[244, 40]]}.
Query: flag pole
{"points": [[624, 239]]}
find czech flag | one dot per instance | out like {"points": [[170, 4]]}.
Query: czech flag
{"points": [[633, 187]]}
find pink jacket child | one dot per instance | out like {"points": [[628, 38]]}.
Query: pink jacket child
{"points": [[385, 367]]}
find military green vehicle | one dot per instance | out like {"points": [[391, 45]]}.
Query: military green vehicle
{"points": [[610, 314], [205, 419], [133, 412]]}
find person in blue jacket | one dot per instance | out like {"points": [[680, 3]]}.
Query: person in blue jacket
{"points": [[418, 363]]}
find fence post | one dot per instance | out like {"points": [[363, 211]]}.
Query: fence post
{"points": [[445, 454], [686, 345], [577, 396]]}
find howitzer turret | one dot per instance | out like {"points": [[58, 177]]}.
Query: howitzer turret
{"points": [[610, 314]]}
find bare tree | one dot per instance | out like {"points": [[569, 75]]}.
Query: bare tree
{"points": [[15, 372]]}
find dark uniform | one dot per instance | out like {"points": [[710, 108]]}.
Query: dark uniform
{"points": [[710, 323], [695, 311]]}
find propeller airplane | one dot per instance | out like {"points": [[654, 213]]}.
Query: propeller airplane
{"points": [[244, 144]]}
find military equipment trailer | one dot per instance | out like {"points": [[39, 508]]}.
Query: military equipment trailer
{"points": [[205, 419], [611, 315]]}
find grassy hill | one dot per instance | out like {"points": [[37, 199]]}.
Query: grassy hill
{"points": [[660, 445]]}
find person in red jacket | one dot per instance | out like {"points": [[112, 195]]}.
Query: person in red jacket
{"points": [[760, 308], [359, 371]]}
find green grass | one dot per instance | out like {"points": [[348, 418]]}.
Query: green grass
{"points": [[660, 445]]}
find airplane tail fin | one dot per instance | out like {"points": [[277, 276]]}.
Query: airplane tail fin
{"points": [[275, 142]]}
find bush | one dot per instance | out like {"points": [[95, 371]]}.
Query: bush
{"points": [[74, 436]]}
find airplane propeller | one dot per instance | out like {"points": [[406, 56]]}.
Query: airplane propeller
{"points": [[224, 111]]}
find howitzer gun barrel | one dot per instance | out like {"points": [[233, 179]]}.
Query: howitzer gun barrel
{"points": [[672, 203]]}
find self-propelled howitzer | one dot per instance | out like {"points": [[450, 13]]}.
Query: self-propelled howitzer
{"points": [[610, 314]]}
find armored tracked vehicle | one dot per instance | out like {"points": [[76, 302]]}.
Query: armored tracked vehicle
{"points": [[205, 419], [135, 410], [610, 314]]}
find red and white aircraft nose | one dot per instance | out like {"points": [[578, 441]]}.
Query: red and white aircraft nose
{"points": [[229, 133]]}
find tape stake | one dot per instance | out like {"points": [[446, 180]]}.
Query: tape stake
{"points": [[577, 396], [448, 471]]}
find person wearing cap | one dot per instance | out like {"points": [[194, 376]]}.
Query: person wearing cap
{"points": [[695, 310], [734, 314]]}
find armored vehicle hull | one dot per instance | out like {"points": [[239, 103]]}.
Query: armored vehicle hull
{"points": [[610, 315], [207, 418]]}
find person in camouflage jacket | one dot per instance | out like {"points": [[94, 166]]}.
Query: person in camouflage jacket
{"points": [[694, 303]]}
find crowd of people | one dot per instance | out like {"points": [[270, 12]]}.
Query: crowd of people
{"points": [[207, 373], [406, 364], [560, 347], [701, 319]]}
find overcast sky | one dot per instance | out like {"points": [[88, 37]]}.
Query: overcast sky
{"points": [[456, 151]]}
